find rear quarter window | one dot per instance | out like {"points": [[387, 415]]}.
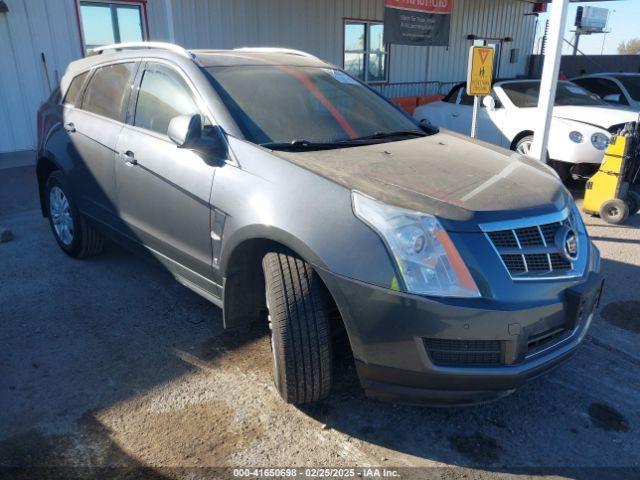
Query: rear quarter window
{"points": [[72, 97], [106, 93]]}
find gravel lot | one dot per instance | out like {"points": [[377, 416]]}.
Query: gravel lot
{"points": [[111, 363]]}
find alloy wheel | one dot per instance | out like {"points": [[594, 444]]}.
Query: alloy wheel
{"points": [[60, 212]]}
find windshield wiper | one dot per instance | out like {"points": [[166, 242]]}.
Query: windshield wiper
{"points": [[390, 134], [300, 145]]}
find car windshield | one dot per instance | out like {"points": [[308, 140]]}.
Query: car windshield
{"points": [[525, 94], [632, 84], [275, 104]]}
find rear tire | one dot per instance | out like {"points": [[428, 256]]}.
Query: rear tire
{"points": [[299, 316], [74, 235], [614, 211]]}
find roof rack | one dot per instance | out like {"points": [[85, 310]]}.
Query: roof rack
{"points": [[140, 45], [288, 51]]}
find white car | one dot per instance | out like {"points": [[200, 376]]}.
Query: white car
{"points": [[620, 89], [581, 129]]}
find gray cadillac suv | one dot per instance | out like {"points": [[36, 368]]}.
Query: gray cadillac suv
{"points": [[285, 191]]}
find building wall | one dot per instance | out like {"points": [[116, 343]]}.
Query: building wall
{"points": [[33, 27], [317, 27]]}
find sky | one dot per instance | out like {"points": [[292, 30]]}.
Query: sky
{"points": [[623, 23]]}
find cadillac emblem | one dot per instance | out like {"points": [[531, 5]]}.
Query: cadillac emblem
{"points": [[567, 243]]}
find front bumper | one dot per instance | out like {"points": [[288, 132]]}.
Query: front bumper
{"points": [[391, 335]]}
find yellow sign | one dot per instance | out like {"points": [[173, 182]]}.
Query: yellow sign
{"points": [[480, 75]]}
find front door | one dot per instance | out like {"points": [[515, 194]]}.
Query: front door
{"points": [[164, 191]]}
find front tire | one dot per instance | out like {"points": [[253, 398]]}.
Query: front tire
{"points": [[73, 234], [299, 318], [614, 211]]}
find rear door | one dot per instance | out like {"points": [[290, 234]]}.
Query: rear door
{"points": [[164, 191], [93, 130]]}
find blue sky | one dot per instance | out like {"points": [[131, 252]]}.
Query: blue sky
{"points": [[623, 24]]}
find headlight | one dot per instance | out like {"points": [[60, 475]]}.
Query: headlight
{"points": [[427, 260], [600, 141], [576, 137]]}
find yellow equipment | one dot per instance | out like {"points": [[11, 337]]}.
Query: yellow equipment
{"points": [[608, 192]]}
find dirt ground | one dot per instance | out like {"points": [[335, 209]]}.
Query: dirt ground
{"points": [[109, 362]]}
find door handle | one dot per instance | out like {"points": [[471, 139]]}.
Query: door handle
{"points": [[70, 127], [455, 115], [128, 158]]}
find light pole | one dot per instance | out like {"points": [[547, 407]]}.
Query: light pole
{"points": [[606, 31], [549, 82]]}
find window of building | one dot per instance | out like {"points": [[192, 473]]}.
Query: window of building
{"points": [[163, 95], [73, 92], [105, 94], [365, 53], [104, 23]]}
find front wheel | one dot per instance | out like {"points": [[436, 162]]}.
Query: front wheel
{"points": [[70, 229], [299, 318], [614, 211]]}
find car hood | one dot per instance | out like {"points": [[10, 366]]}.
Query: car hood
{"points": [[460, 180], [603, 116]]}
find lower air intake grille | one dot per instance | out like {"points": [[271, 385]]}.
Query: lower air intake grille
{"points": [[460, 353]]}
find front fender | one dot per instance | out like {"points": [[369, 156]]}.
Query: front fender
{"points": [[270, 198]]}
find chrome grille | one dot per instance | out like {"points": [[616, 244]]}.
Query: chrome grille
{"points": [[528, 249]]}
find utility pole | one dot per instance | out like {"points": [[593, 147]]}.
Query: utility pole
{"points": [[549, 82]]}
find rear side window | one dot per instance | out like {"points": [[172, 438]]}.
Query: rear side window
{"points": [[105, 94], [73, 92], [163, 95]]}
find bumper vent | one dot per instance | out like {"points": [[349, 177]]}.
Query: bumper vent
{"points": [[463, 353], [550, 337], [531, 251]]}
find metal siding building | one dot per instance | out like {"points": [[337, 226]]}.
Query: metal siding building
{"points": [[51, 27]]}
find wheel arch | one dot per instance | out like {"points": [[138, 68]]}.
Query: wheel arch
{"points": [[241, 269], [520, 136], [44, 167]]}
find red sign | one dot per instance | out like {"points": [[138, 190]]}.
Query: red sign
{"points": [[539, 8], [426, 6]]}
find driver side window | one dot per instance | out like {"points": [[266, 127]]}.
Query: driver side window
{"points": [[163, 95]]}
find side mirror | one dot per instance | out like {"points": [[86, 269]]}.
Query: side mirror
{"points": [[489, 103], [613, 98], [184, 130]]}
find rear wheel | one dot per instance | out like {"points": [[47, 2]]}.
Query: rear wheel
{"points": [[70, 229], [614, 211], [299, 318]]}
